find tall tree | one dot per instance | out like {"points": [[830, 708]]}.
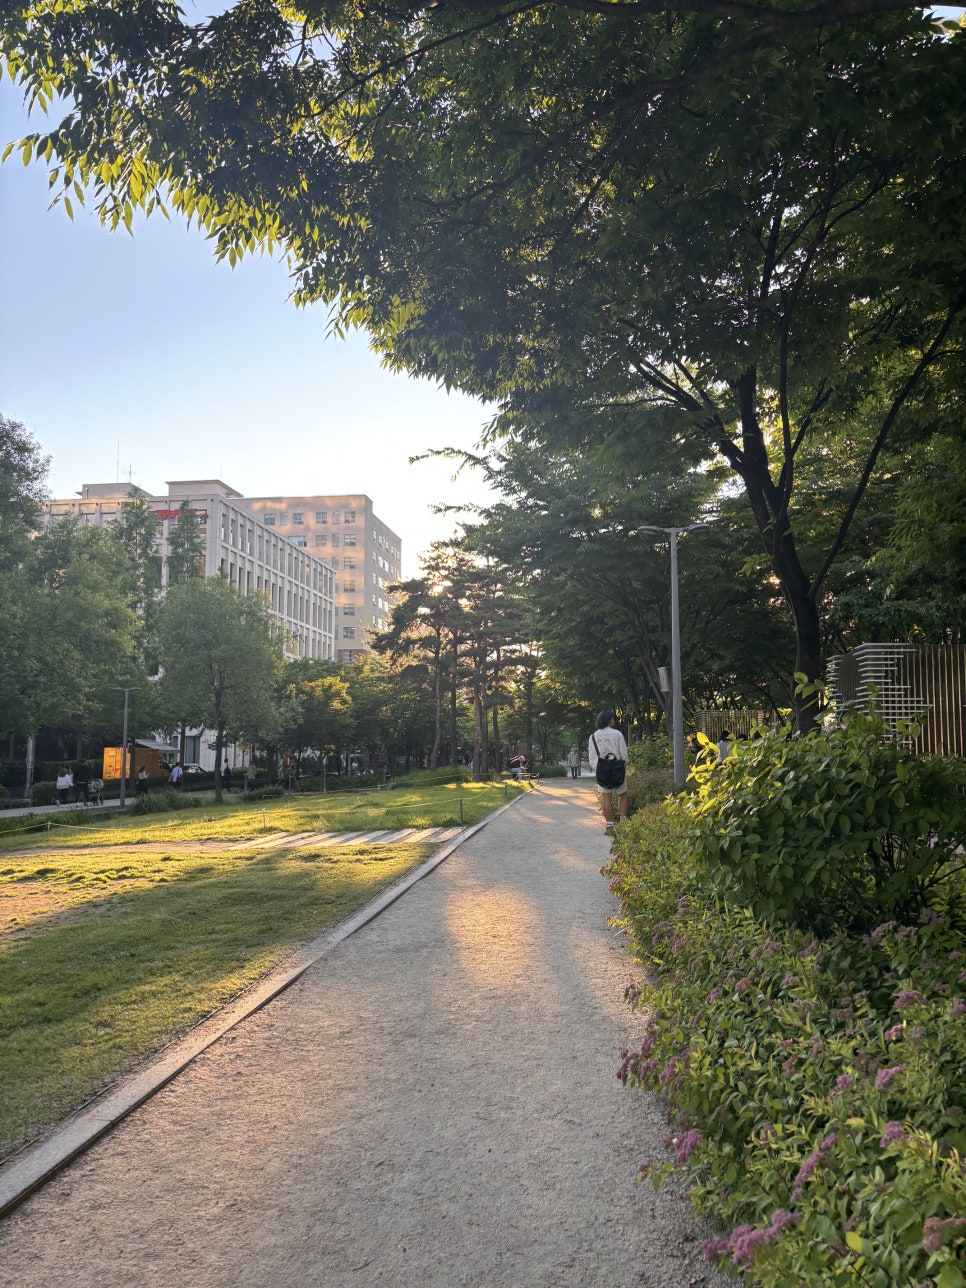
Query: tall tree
{"points": [[220, 656], [717, 214], [186, 547], [137, 528], [23, 484]]}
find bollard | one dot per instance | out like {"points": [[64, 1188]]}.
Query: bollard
{"points": [[461, 811]]}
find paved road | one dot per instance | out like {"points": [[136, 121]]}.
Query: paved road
{"points": [[433, 1104]]}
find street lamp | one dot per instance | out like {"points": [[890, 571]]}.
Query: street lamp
{"points": [[677, 715], [119, 689]]}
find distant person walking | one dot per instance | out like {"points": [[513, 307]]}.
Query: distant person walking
{"points": [[177, 773], [64, 785], [725, 745], [142, 783], [82, 778], [226, 777], [607, 752], [573, 762]]}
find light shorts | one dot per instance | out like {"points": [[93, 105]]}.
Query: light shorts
{"points": [[621, 791]]}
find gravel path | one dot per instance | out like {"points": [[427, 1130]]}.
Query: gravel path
{"points": [[432, 1105]]}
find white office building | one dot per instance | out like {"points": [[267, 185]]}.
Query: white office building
{"points": [[297, 584]]}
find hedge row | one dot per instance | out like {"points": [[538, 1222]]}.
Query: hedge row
{"points": [[817, 1089]]}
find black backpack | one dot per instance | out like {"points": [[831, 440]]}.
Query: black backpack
{"points": [[610, 771]]}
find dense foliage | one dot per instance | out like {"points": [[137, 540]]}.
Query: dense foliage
{"points": [[837, 827], [816, 1088], [701, 230]]}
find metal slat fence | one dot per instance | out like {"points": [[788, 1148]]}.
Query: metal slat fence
{"points": [[925, 683]]}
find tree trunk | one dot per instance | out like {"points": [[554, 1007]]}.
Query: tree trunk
{"points": [[454, 685], [438, 669], [29, 771], [772, 519], [219, 748]]}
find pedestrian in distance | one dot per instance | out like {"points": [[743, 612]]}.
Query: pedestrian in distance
{"points": [[64, 785], [82, 778], [226, 777], [177, 773], [573, 762], [607, 752], [142, 783], [725, 745]]}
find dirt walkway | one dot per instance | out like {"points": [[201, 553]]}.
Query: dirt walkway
{"points": [[433, 1105]]}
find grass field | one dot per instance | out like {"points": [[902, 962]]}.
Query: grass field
{"points": [[116, 937]]}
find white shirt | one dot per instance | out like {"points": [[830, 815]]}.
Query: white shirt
{"points": [[608, 740]]}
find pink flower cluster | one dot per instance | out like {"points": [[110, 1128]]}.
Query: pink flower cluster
{"points": [[686, 1144], [744, 1242], [935, 1229], [908, 997], [893, 1132], [885, 1076], [810, 1164]]}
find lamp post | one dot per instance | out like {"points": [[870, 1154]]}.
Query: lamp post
{"points": [[119, 689], [677, 714]]}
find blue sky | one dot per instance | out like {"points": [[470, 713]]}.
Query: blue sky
{"points": [[141, 357]]}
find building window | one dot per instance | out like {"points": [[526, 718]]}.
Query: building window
{"points": [[348, 562], [335, 538], [348, 632], [321, 539], [298, 518], [269, 520], [349, 586], [335, 516], [321, 516], [348, 610], [349, 539], [283, 520], [350, 516], [301, 542]]}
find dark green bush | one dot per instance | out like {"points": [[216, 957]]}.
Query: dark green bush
{"points": [[550, 771], [839, 827], [43, 794]]}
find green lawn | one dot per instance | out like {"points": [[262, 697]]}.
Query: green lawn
{"points": [[119, 936]]}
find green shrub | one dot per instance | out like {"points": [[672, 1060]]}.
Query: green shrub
{"points": [[160, 802], [839, 827], [647, 787], [817, 1090], [551, 771], [434, 777], [43, 794], [264, 793], [652, 752]]}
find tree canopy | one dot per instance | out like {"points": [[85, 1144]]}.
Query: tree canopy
{"points": [[702, 228]]}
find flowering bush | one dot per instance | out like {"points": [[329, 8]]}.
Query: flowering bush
{"points": [[817, 1089], [838, 827]]}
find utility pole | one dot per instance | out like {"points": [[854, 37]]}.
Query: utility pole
{"points": [[677, 713]]}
